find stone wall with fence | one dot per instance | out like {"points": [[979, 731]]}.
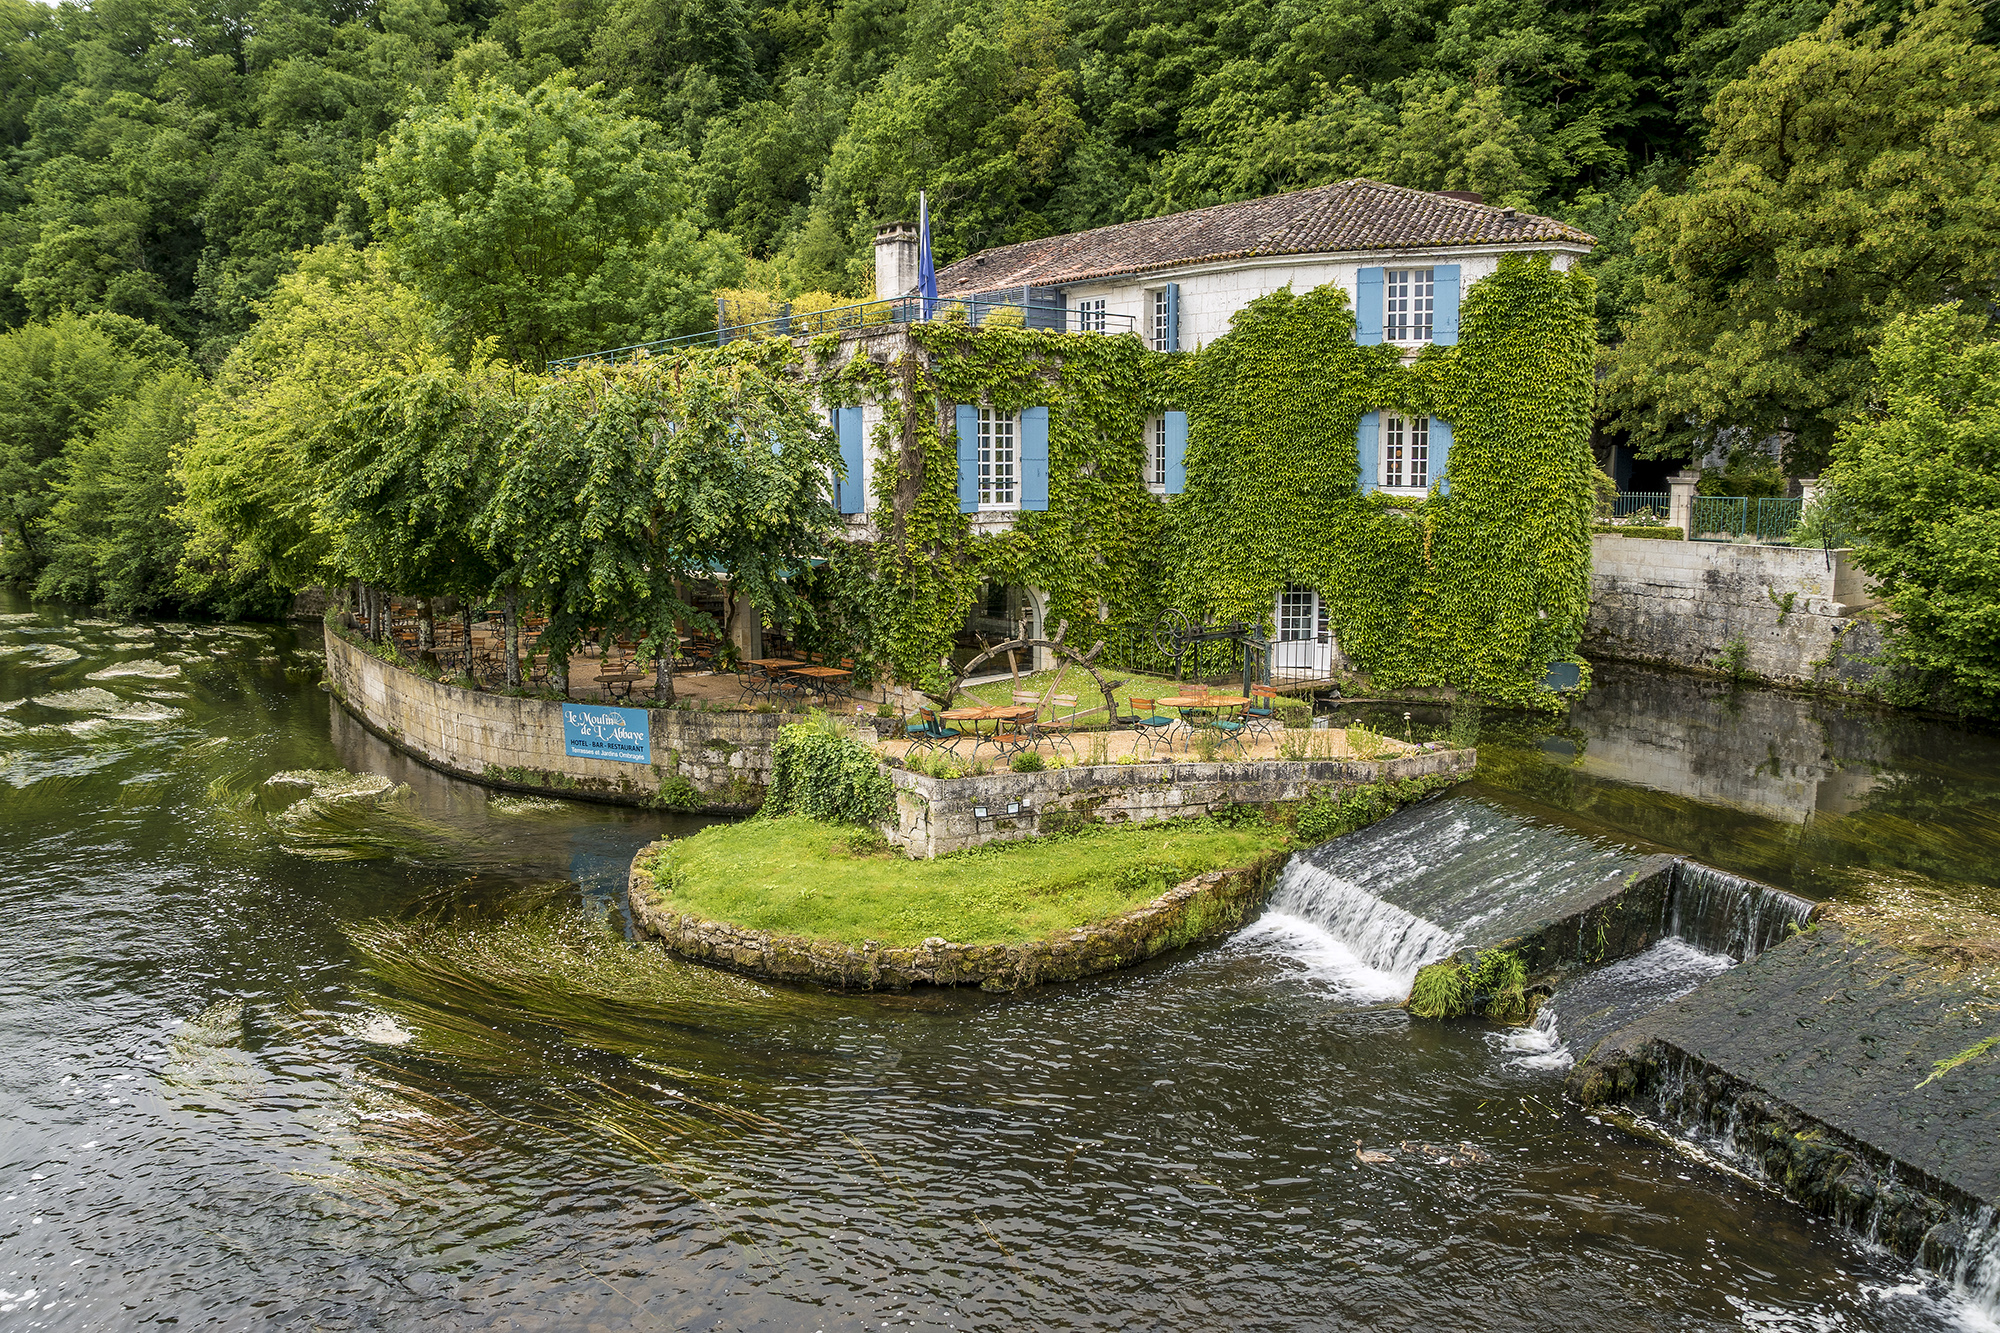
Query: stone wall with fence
{"points": [[1784, 614], [699, 761], [939, 815]]}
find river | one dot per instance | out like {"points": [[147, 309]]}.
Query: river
{"points": [[277, 1065]]}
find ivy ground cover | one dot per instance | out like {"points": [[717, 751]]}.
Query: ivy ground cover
{"points": [[798, 876]]}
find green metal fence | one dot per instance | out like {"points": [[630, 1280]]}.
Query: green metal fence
{"points": [[1724, 518], [1639, 507]]}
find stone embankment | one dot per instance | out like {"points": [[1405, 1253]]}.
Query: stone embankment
{"points": [[1202, 908], [1783, 614], [1826, 1065], [699, 761], [936, 816]]}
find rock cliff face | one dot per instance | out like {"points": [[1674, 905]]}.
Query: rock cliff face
{"points": [[1202, 908]]}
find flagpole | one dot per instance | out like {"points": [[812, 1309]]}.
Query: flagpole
{"points": [[926, 270]]}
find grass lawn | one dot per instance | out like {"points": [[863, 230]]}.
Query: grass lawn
{"points": [[1084, 687], [795, 876]]}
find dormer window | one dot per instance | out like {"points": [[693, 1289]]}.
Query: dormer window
{"points": [[1409, 300]]}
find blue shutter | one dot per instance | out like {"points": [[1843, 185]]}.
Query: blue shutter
{"points": [[1176, 452], [1444, 305], [847, 424], [1440, 438], [1368, 444], [1368, 307], [968, 458], [1173, 317], [1034, 458]]}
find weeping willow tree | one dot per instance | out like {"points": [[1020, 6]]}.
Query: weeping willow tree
{"points": [[621, 487]]}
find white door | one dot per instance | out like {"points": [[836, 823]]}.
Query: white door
{"points": [[1303, 650]]}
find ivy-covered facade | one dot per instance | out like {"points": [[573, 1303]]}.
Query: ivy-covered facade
{"points": [[1006, 457], [1415, 508]]}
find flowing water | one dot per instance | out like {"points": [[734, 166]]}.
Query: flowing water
{"points": [[322, 1054]]}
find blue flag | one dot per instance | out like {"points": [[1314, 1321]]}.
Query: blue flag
{"points": [[926, 270]]}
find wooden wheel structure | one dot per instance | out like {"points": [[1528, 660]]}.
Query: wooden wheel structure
{"points": [[1066, 657]]}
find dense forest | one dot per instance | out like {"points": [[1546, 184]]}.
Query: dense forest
{"points": [[165, 159], [221, 220]]}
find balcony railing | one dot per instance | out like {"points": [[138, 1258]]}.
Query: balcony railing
{"points": [[867, 314]]}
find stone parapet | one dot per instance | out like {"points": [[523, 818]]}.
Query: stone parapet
{"points": [[700, 761], [1794, 610], [936, 816], [1202, 908]]}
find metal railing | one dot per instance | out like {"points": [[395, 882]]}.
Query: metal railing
{"points": [[867, 314], [1722, 518], [1640, 507]]}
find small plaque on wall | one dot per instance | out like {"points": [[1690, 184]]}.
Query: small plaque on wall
{"points": [[598, 731]]}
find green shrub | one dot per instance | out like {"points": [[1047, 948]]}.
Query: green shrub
{"points": [[822, 773], [1499, 984], [1441, 990], [1027, 762]]}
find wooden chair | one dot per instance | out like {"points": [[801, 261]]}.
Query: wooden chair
{"points": [[1148, 725], [1262, 714]]}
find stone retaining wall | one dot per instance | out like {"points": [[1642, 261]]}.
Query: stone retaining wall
{"points": [[935, 816], [1202, 908], [1831, 1091], [700, 761], [1683, 603]]}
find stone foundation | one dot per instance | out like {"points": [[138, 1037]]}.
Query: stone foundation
{"points": [[1202, 908], [935, 816], [700, 761]]}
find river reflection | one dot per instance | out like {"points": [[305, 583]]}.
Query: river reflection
{"points": [[1812, 795], [365, 1070]]}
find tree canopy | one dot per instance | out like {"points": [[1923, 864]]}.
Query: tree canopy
{"points": [[1918, 476], [1851, 180]]}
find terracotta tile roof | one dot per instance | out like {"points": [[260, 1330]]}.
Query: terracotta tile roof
{"points": [[1348, 215]]}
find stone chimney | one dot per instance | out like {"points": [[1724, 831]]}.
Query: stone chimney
{"points": [[895, 260]]}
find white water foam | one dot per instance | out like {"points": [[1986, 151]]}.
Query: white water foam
{"points": [[1341, 933], [1322, 957], [1627, 988]]}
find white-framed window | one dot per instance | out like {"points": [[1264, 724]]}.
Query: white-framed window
{"points": [[1155, 469], [1159, 320], [1299, 614], [1406, 452], [1408, 302], [999, 474], [1090, 315]]}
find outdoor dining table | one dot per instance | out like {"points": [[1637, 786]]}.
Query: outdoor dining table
{"points": [[772, 668], [1001, 715], [821, 679], [611, 680], [1200, 703]]}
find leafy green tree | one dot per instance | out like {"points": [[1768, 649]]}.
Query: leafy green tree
{"points": [[113, 539], [1853, 176], [1918, 476], [57, 380], [252, 487], [623, 486], [409, 465], [541, 220]]}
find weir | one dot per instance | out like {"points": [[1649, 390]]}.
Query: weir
{"points": [[1463, 876], [1653, 962]]}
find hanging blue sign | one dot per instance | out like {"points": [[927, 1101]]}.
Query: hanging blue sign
{"points": [[598, 731]]}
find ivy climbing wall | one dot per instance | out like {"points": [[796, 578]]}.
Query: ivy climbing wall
{"points": [[1478, 584]]}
